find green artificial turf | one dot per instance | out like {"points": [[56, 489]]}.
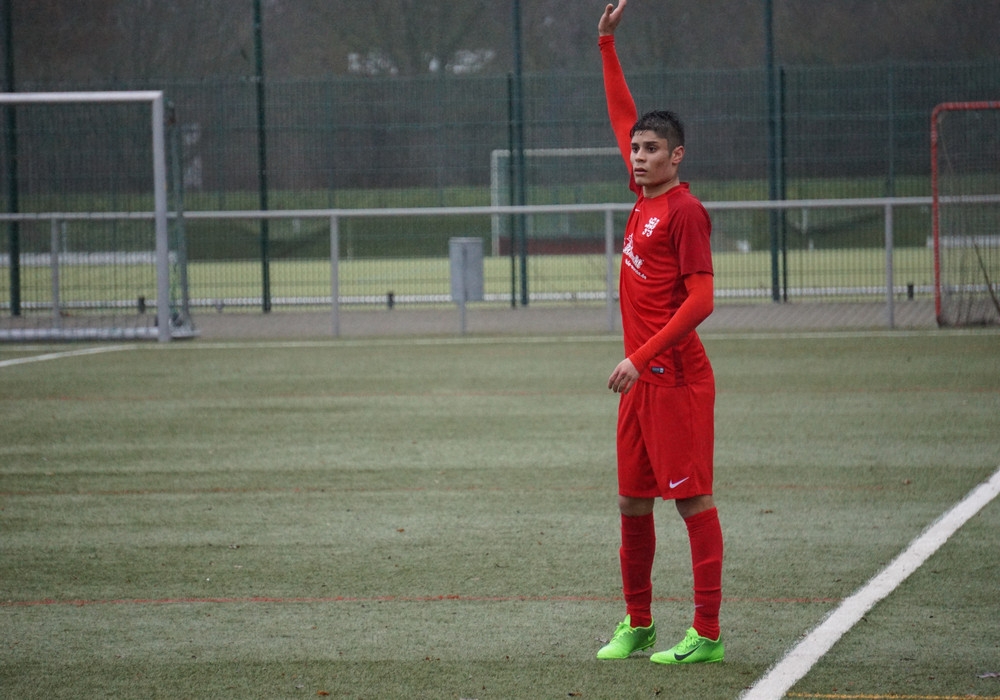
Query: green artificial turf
{"points": [[436, 518]]}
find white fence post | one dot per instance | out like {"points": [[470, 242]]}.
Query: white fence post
{"points": [[163, 321], [890, 310], [54, 264], [335, 275], [609, 252]]}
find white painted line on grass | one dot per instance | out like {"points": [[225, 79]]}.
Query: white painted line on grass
{"points": [[804, 655], [61, 355]]}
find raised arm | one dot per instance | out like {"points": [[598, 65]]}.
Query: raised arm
{"points": [[621, 106]]}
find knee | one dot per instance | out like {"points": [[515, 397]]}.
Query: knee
{"points": [[634, 507], [689, 507]]}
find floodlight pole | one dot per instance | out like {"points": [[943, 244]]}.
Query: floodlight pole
{"points": [[772, 142], [10, 139], [519, 231], [265, 256]]}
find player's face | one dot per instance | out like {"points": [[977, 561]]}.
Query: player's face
{"points": [[654, 165]]}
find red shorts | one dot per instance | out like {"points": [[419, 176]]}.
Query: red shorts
{"points": [[666, 440]]}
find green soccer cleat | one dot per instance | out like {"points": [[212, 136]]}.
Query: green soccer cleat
{"points": [[693, 649], [628, 639]]}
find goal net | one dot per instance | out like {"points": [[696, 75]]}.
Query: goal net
{"points": [[557, 176], [965, 173], [88, 251]]}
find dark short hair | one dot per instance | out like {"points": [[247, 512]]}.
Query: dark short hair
{"points": [[664, 123]]}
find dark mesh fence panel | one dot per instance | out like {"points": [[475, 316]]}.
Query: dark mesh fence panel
{"points": [[389, 142]]}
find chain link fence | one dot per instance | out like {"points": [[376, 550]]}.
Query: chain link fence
{"points": [[439, 141]]}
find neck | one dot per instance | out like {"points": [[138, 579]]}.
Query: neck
{"points": [[662, 188]]}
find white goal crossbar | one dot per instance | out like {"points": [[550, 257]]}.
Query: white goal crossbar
{"points": [[496, 174], [155, 99]]}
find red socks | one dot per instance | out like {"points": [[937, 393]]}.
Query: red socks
{"points": [[705, 534], [636, 553]]}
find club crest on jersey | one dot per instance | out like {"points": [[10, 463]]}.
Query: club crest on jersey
{"points": [[631, 259], [650, 225]]}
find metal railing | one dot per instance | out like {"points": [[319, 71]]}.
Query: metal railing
{"points": [[727, 289]]}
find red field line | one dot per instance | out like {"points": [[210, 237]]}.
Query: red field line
{"points": [[290, 489], [413, 489], [278, 600]]}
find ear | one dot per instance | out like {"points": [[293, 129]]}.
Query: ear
{"points": [[677, 156]]}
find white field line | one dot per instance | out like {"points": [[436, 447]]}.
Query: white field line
{"points": [[803, 656], [61, 355]]}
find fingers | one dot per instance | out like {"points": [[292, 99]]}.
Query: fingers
{"points": [[622, 385], [614, 380], [605, 25], [611, 17], [623, 378]]}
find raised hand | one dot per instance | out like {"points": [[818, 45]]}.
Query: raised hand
{"points": [[610, 19]]}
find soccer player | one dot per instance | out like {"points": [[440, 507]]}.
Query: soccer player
{"points": [[666, 422]]}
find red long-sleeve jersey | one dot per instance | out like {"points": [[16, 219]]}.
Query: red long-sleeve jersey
{"points": [[667, 238]]}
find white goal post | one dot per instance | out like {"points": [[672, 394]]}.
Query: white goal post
{"points": [[500, 177], [159, 215]]}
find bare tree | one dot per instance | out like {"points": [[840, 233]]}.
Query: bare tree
{"points": [[53, 41], [395, 37], [183, 38], [73, 42], [868, 31]]}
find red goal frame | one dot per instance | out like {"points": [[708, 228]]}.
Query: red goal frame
{"points": [[936, 115]]}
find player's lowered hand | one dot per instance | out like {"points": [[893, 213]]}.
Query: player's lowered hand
{"points": [[624, 377]]}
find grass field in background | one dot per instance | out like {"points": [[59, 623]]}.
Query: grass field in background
{"points": [[815, 274], [416, 236], [436, 518]]}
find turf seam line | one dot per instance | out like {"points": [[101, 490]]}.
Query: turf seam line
{"points": [[61, 355], [803, 656]]}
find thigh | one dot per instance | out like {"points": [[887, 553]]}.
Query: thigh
{"points": [[635, 473], [679, 425]]}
